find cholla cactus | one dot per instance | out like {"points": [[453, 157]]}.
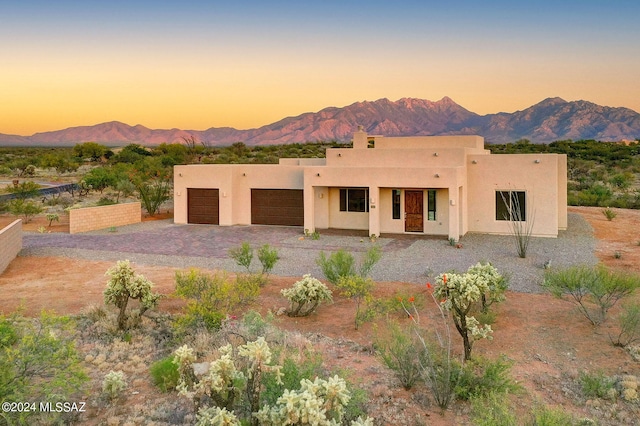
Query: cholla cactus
{"points": [[460, 295], [224, 382], [320, 402], [258, 355], [123, 285], [114, 384], [215, 416], [305, 296]]}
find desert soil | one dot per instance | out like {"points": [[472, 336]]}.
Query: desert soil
{"points": [[547, 340]]}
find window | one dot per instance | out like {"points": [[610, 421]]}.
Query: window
{"points": [[431, 204], [354, 200], [511, 205], [395, 199]]}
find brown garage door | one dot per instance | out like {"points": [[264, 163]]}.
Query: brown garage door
{"points": [[277, 207], [203, 206]]}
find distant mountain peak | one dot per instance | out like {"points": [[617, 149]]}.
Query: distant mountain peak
{"points": [[549, 120]]}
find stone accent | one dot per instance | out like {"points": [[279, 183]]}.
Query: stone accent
{"points": [[10, 243], [94, 218]]}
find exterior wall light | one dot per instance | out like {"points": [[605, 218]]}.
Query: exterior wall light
{"points": [[318, 174], [437, 175], [537, 161], [339, 155], [474, 161], [435, 154], [180, 174], [244, 174]]}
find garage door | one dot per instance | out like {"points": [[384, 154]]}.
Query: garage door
{"points": [[277, 207], [203, 206]]}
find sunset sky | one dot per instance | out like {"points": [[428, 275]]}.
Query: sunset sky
{"points": [[244, 64]]}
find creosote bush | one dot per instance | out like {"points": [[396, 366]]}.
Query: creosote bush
{"points": [[609, 214], [594, 290], [212, 297], [359, 290], [123, 285], [341, 264], [402, 353], [243, 256], [629, 323], [305, 296]]}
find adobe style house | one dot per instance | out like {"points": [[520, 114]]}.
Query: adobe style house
{"points": [[437, 185]]}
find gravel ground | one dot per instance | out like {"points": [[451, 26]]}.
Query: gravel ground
{"points": [[408, 259]]}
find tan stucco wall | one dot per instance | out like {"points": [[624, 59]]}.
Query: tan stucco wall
{"points": [[93, 218], [234, 182], [515, 172], [10, 243]]}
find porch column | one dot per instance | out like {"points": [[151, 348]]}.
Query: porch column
{"points": [[374, 211], [454, 206], [309, 208]]}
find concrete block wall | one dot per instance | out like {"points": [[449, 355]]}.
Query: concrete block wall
{"points": [[10, 243], [94, 218]]}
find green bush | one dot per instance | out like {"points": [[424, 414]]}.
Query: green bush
{"points": [[609, 214], [24, 190], [39, 362], [402, 353], [629, 322], [26, 208], [165, 374], [544, 416], [492, 410], [357, 288], [596, 385], [342, 264], [243, 255], [480, 377], [593, 289], [268, 258], [212, 297], [153, 194]]}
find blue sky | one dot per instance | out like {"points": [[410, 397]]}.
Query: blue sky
{"points": [[246, 64]]}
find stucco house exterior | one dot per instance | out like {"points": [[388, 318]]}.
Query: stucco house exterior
{"points": [[436, 185]]}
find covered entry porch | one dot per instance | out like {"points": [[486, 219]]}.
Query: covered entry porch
{"points": [[376, 210]]}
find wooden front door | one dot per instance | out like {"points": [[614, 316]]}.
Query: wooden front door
{"points": [[413, 211]]}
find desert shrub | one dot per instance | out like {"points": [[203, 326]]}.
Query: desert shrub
{"points": [[165, 374], [481, 377], [114, 385], [26, 208], [492, 410], [305, 296], [153, 194], [38, 362], [545, 416], [24, 190], [609, 214], [212, 297], [401, 352], [596, 385], [594, 290], [123, 285], [629, 322], [268, 258], [105, 201], [341, 263], [359, 290], [243, 255]]}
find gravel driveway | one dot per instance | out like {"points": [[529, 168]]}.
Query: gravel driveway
{"points": [[405, 258]]}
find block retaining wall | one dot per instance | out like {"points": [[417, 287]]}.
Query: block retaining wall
{"points": [[94, 218], [10, 243]]}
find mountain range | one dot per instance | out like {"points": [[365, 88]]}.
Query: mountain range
{"points": [[550, 120]]}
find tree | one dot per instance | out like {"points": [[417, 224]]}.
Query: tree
{"points": [[123, 285], [61, 162], [99, 178], [91, 150]]}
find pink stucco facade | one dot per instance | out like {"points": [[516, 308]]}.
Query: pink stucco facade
{"points": [[437, 185]]}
